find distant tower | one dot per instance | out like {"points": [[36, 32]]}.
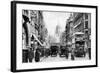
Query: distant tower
{"points": [[57, 32]]}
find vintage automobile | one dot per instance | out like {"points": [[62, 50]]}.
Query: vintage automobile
{"points": [[41, 50], [63, 51], [47, 52], [54, 51]]}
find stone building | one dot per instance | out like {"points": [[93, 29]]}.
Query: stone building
{"points": [[34, 26], [81, 23], [69, 30]]}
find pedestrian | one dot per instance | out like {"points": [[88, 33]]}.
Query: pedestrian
{"points": [[37, 56], [72, 54], [89, 51], [31, 55], [67, 53]]}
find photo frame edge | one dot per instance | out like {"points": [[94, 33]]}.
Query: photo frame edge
{"points": [[13, 36]]}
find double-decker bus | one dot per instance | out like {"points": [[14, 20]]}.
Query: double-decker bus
{"points": [[79, 44]]}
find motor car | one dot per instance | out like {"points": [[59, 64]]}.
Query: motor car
{"points": [[47, 52], [41, 51], [54, 51], [64, 51]]}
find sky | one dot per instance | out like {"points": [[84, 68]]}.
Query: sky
{"points": [[52, 19]]}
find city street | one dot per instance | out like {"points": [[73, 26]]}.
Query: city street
{"points": [[54, 34], [58, 58]]}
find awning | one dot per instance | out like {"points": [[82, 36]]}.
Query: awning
{"points": [[78, 33], [38, 40]]}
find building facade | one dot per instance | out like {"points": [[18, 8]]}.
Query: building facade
{"points": [[69, 30], [81, 23], [34, 27]]}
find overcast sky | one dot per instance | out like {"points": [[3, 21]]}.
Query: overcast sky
{"points": [[52, 19]]}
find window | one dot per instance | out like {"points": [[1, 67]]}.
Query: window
{"points": [[86, 16], [86, 24]]}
